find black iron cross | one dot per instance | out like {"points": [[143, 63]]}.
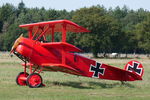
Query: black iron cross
{"points": [[134, 67], [97, 70]]}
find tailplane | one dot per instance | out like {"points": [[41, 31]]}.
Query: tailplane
{"points": [[134, 67]]}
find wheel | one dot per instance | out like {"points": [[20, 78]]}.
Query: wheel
{"points": [[19, 79], [34, 80]]}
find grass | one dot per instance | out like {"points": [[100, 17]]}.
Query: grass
{"points": [[60, 86]]}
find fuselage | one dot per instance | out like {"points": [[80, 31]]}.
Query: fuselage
{"points": [[40, 55], [56, 57]]}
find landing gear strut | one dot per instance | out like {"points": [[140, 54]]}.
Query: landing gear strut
{"points": [[33, 80]]}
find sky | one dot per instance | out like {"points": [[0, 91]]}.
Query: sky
{"points": [[76, 4]]}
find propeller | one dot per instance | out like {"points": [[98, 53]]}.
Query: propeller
{"points": [[16, 43]]}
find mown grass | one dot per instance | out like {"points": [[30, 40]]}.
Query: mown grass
{"points": [[60, 86]]}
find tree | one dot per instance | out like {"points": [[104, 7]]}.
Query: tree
{"points": [[12, 34], [6, 12], [143, 34], [119, 13], [104, 29], [21, 7], [113, 30], [1, 26]]}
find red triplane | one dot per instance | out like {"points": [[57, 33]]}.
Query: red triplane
{"points": [[39, 54]]}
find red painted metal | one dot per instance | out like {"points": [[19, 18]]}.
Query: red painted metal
{"points": [[58, 56], [140, 66], [52, 33], [64, 32], [21, 78], [37, 30], [25, 67], [71, 27], [30, 33], [34, 80], [43, 33], [30, 69]]}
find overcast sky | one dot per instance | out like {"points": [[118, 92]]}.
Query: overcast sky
{"points": [[76, 4]]}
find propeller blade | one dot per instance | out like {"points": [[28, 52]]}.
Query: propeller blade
{"points": [[16, 43]]}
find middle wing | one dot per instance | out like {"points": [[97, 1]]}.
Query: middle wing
{"points": [[61, 45]]}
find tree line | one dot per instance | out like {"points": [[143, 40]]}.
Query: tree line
{"points": [[120, 30]]}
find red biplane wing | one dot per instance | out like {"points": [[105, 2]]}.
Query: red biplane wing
{"points": [[61, 67], [56, 24], [61, 45]]}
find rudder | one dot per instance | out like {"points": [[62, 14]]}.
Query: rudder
{"points": [[135, 67]]}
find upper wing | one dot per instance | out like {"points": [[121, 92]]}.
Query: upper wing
{"points": [[56, 24]]}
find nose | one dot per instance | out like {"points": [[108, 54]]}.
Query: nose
{"points": [[16, 43]]}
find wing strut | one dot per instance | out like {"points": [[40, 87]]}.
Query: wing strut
{"points": [[43, 33], [64, 33]]}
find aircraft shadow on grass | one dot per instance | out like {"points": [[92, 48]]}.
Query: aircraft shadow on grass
{"points": [[91, 85]]}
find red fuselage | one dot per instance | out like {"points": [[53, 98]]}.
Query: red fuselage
{"points": [[53, 58], [56, 57]]}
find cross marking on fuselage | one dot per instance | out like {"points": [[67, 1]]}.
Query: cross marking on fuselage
{"points": [[97, 70], [134, 67]]}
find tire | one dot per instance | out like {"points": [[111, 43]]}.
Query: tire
{"points": [[19, 81], [34, 80]]}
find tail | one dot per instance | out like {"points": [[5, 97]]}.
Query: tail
{"points": [[134, 67]]}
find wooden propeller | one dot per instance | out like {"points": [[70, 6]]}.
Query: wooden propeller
{"points": [[16, 43]]}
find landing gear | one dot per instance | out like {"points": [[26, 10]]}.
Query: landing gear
{"points": [[34, 80], [21, 79]]}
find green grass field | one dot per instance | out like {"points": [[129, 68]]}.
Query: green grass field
{"points": [[61, 86]]}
